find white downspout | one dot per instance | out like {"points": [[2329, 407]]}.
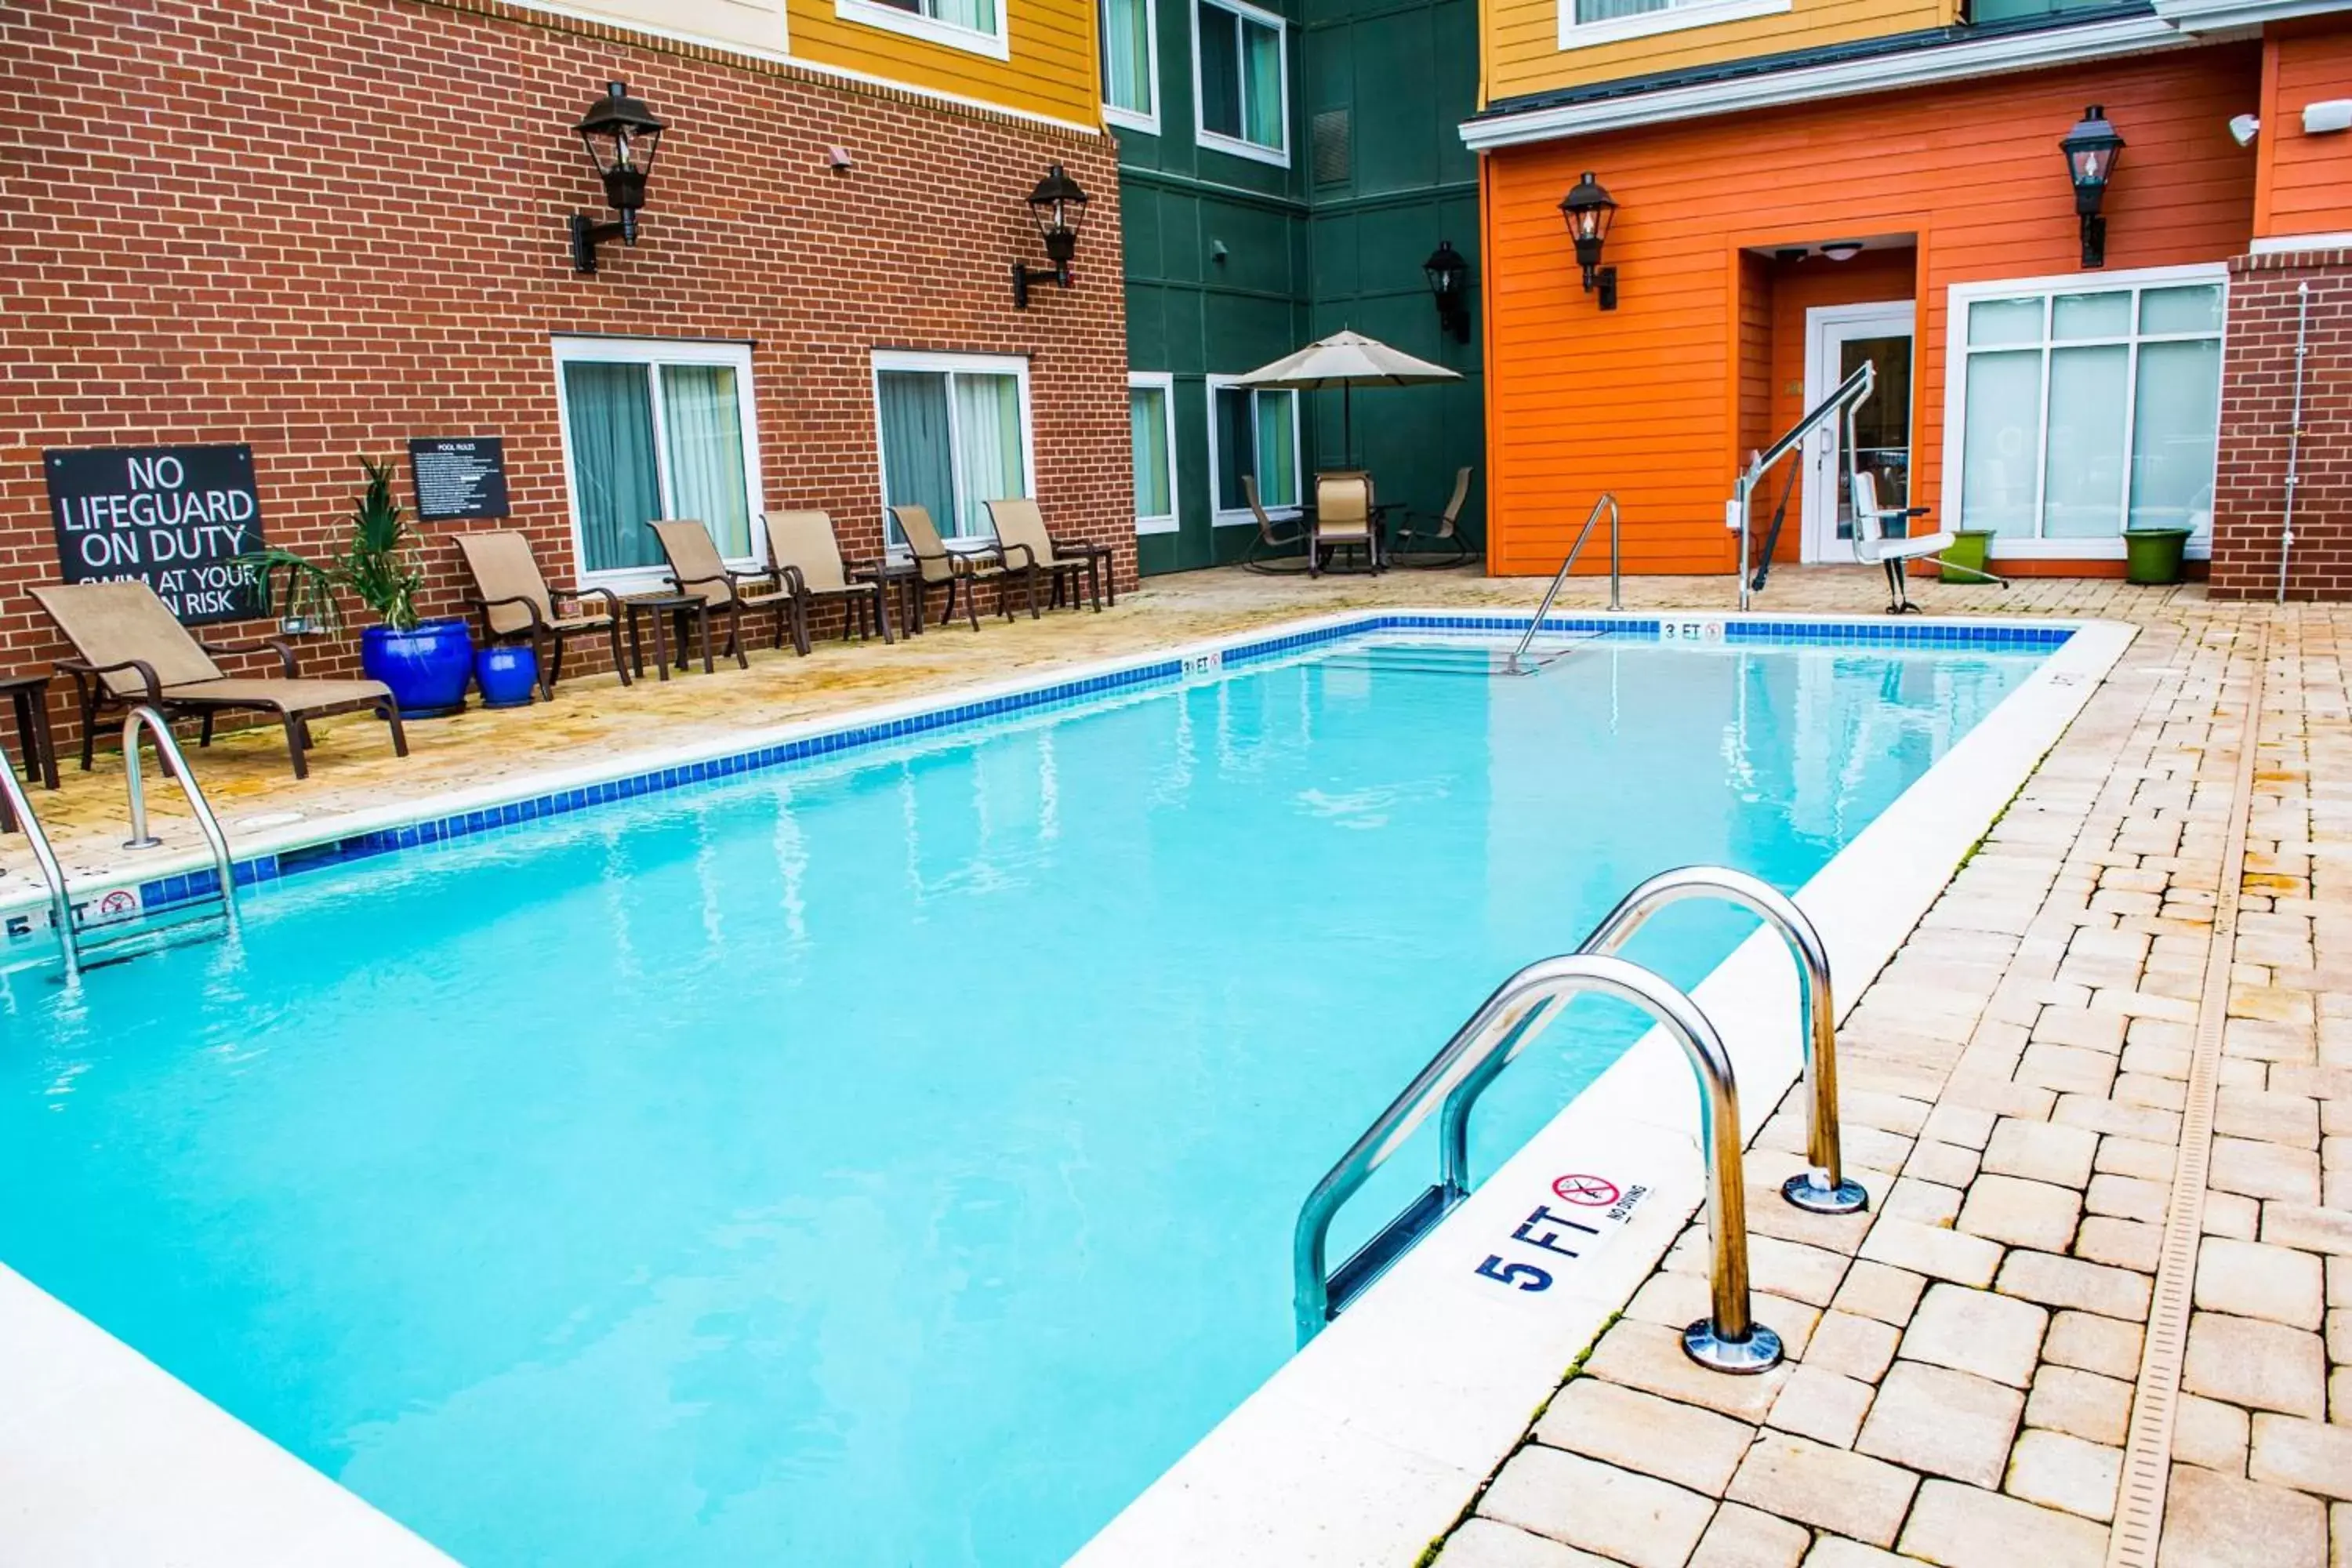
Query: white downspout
{"points": [[2295, 432]]}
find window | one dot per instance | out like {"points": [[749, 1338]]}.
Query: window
{"points": [[954, 432], [2084, 406], [975, 25], [656, 429], [1252, 434], [1587, 22], [1151, 429], [1130, 64], [1241, 80]]}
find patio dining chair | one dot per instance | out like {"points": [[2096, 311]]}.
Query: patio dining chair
{"points": [[699, 573], [133, 650], [1270, 544], [515, 604], [1021, 534], [1343, 521], [806, 558], [1428, 541], [938, 567]]}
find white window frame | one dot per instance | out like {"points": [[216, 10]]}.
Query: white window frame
{"points": [[1165, 384], [1013, 365], [1244, 517], [656, 353], [1961, 296], [1575, 34], [996, 45], [1216, 140], [1134, 120]]}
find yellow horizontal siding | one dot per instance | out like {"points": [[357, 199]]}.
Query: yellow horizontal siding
{"points": [[1053, 70], [1524, 56]]}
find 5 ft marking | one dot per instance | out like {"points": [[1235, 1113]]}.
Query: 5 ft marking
{"points": [[1535, 1276]]}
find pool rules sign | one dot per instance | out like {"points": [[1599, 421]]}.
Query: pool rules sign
{"points": [[175, 518]]}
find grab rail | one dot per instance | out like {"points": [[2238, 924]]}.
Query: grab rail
{"points": [[1559, 579], [176, 761], [1822, 1189], [1728, 1339], [1853, 389], [60, 907]]}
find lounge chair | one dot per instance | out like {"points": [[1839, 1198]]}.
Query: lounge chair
{"points": [[1883, 537], [697, 572], [1021, 533], [937, 565], [1442, 546], [806, 558], [1343, 521], [514, 604], [133, 651], [1270, 543]]}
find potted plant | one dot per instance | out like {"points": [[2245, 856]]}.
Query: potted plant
{"points": [[426, 663]]}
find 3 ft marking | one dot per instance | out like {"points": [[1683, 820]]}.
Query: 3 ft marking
{"points": [[1203, 666], [1690, 628]]}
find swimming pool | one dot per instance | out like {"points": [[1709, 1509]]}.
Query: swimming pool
{"points": [[889, 1157]]}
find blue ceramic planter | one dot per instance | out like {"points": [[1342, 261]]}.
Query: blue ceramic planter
{"points": [[508, 675], [428, 668]]}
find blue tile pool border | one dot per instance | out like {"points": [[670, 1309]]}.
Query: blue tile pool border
{"points": [[165, 893]]}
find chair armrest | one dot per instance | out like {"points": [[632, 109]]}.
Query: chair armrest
{"points": [[605, 596], [1004, 554], [531, 608], [795, 584], [82, 672], [279, 646], [726, 579]]}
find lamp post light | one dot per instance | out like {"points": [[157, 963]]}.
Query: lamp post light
{"points": [[2090, 149], [1058, 207], [622, 137], [1588, 211], [1449, 285]]}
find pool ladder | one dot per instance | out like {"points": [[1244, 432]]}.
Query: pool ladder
{"points": [[1608, 503], [77, 950], [1728, 1339]]}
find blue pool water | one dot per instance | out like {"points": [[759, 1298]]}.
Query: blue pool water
{"points": [[889, 1161]]}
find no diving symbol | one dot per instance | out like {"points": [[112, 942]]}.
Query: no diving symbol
{"points": [[1589, 1190]]}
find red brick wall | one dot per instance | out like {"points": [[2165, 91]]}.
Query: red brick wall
{"points": [[222, 221], [2257, 409]]}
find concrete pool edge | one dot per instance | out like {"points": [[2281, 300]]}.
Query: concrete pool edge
{"points": [[100, 1463], [1369, 1444]]}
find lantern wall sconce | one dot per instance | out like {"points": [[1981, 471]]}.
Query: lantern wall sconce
{"points": [[1058, 207], [2090, 149], [1449, 285], [1589, 212], [621, 136]]}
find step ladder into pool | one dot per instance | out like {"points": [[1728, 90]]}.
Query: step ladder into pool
{"points": [[1727, 1339], [207, 918]]}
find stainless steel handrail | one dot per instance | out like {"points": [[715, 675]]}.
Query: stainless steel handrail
{"points": [[176, 761], [60, 906], [1728, 1339], [1853, 389], [1822, 1187], [1559, 579]]}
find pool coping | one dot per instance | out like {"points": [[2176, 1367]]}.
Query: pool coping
{"points": [[1336, 1458]]}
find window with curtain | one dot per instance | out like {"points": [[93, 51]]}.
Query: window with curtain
{"points": [[955, 437], [1244, 87], [1254, 434], [2085, 410], [1130, 83], [655, 430], [978, 16], [1150, 419]]}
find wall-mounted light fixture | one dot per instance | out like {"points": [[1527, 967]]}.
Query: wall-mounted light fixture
{"points": [[2245, 128], [1059, 210], [1589, 212], [1449, 285], [622, 137], [2090, 149]]}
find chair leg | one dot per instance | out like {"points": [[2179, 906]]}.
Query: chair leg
{"points": [[204, 737], [971, 603], [1029, 590], [295, 741], [620, 664], [391, 711]]}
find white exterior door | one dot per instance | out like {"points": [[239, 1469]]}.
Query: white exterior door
{"points": [[1838, 339]]}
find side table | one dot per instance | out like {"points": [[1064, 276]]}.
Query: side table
{"points": [[29, 694]]}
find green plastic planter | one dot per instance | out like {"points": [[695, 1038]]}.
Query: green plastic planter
{"points": [[2153, 556], [1970, 547]]}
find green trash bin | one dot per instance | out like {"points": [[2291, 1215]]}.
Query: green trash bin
{"points": [[1970, 547], [2153, 556]]}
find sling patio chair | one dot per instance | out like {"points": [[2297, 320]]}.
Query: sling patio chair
{"points": [[806, 558], [936, 567], [1270, 544], [697, 571], [1020, 530], [1423, 548], [514, 604], [1343, 521], [133, 650]]}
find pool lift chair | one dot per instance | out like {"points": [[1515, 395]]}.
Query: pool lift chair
{"points": [[1883, 536]]}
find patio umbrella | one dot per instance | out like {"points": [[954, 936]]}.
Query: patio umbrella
{"points": [[1348, 361]]}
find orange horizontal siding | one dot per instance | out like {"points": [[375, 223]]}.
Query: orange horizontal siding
{"points": [[2307, 180], [1654, 400]]}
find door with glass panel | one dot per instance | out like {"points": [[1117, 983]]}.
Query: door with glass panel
{"points": [[655, 430], [1840, 340]]}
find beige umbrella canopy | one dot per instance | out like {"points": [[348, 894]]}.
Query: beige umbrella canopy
{"points": [[1348, 361]]}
